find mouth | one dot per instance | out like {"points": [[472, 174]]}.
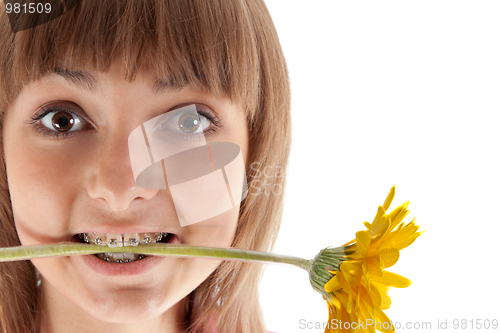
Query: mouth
{"points": [[121, 240]]}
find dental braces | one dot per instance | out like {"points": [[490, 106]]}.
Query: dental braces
{"points": [[119, 240], [120, 257]]}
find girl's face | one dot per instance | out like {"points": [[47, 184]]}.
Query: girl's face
{"points": [[83, 182]]}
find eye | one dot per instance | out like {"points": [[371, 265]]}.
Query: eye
{"points": [[53, 120], [62, 121], [188, 122], [191, 123]]}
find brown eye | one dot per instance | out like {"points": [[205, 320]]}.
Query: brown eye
{"points": [[63, 121]]}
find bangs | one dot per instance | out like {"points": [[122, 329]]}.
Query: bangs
{"points": [[210, 45]]}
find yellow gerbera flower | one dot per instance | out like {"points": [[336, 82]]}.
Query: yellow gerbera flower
{"points": [[357, 292]]}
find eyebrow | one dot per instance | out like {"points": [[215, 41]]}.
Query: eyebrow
{"points": [[81, 79], [161, 85], [87, 81]]}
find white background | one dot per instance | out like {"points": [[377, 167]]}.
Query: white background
{"points": [[393, 92]]}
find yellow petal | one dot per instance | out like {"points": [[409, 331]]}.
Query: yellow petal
{"points": [[350, 277], [331, 316], [363, 240], [350, 302], [405, 236], [363, 315], [384, 323], [398, 214], [380, 213], [375, 296], [334, 302], [407, 230], [333, 284], [351, 265], [342, 297], [407, 241], [374, 265], [357, 255], [390, 235], [389, 257], [365, 276], [389, 198], [364, 318], [392, 280], [379, 228], [366, 300], [349, 243], [381, 287], [346, 317], [386, 300]]}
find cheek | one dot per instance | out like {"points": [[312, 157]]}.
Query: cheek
{"points": [[43, 183], [218, 231]]}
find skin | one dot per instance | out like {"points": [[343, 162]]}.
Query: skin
{"points": [[84, 182]]}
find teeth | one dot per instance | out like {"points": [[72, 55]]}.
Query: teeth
{"points": [[97, 238], [131, 239], [116, 257], [119, 257], [118, 240], [146, 238], [128, 257], [114, 240]]}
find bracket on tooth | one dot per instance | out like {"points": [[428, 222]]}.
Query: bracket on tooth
{"points": [[114, 240], [118, 240], [130, 239]]}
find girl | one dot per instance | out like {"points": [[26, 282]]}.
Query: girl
{"points": [[72, 90]]}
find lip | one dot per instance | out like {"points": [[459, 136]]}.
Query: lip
{"points": [[122, 231], [127, 269]]}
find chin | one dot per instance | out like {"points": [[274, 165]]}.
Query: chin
{"points": [[125, 313], [127, 308]]}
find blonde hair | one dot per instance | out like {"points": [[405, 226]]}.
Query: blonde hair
{"points": [[227, 47]]}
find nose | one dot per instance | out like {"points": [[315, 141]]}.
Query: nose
{"points": [[112, 180]]}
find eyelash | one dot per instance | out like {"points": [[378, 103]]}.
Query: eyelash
{"points": [[44, 130], [55, 134]]}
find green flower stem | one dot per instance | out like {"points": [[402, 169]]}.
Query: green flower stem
{"points": [[71, 249]]}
